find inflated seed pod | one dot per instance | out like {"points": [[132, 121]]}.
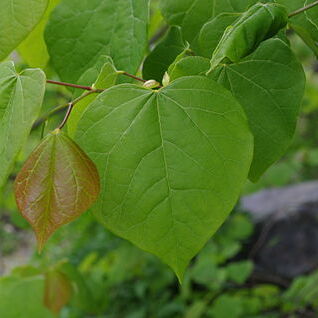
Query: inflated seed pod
{"points": [[260, 22]]}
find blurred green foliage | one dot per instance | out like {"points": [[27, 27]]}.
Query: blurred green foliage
{"points": [[115, 279], [111, 278]]}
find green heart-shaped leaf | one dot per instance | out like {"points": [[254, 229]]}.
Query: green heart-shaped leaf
{"points": [[172, 163], [269, 84], [21, 96]]}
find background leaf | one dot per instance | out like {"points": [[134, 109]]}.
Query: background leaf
{"points": [[23, 297], [101, 76], [305, 23], [21, 98], [212, 31], [17, 19], [159, 60], [33, 49], [258, 23], [172, 163], [58, 290], [192, 15], [271, 103], [191, 65], [57, 184], [79, 32]]}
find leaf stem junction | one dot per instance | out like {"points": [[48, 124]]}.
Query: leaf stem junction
{"points": [[90, 90]]}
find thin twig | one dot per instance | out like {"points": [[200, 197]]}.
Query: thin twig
{"points": [[134, 77], [49, 114], [73, 103], [67, 115], [60, 108], [301, 10], [88, 88]]}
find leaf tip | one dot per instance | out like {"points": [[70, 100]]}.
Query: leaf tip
{"points": [[180, 277], [41, 241], [180, 272]]}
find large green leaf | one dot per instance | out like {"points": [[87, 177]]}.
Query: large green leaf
{"points": [[163, 55], [305, 24], [191, 15], [17, 20], [269, 84], [33, 49], [56, 185], [23, 297], [79, 32], [172, 163], [21, 98]]}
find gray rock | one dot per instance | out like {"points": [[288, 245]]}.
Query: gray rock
{"points": [[281, 202], [287, 235]]}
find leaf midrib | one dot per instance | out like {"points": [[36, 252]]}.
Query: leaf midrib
{"points": [[46, 213], [176, 258]]}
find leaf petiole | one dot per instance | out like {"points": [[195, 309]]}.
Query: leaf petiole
{"points": [[132, 76], [88, 88], [70, 105], [301, 10], [60, 108], [73, 103]]}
